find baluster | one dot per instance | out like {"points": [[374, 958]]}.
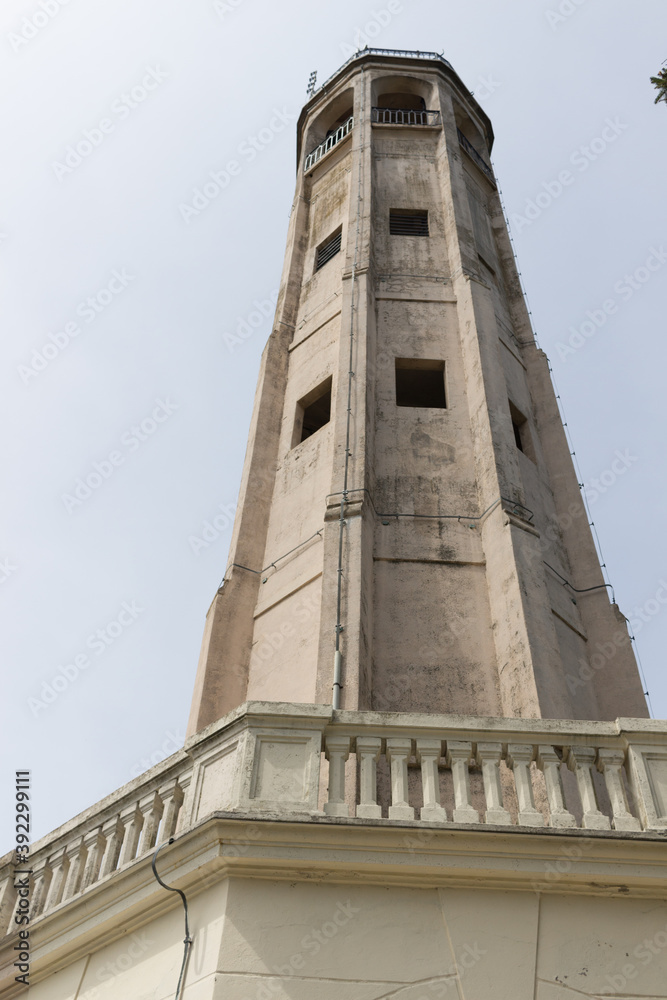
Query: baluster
{"points": [[581, 760], [398, 751], [337, 751], [151, 809], [41, 880], [458, 755], [94, 844], [59, 864], [112, 831], [76, 857], [7, 902], [428, 755], [519, 757], [172, 799], [184, 817], [368, 751], [610, 763], [132, 820], [549, 763], [488, 757]]}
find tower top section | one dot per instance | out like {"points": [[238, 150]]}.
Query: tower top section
{"points": [[399, 59]]}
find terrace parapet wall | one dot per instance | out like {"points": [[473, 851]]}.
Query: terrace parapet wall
{"points": [[311, 765]]}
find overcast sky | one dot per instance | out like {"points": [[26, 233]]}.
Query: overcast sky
{"points": [[124, 309]]}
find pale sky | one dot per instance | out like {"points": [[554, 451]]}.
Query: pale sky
{"points": [[134, 326]]}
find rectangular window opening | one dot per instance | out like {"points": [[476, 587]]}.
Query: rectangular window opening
{"points": [[313, 411], [408, 222], [420, 382], [522, 435], [328, 249]]}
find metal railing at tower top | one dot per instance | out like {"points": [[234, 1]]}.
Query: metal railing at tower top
{"points": [[331, 140], [404, 116], [474, 155], [401, 53]]}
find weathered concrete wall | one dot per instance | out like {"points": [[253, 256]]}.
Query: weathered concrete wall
{"points": [[259, 939], [505, 613]]}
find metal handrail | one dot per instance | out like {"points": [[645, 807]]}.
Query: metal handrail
{"points": [[404, 116], [473, 154], [331, 140], [403, 53]]}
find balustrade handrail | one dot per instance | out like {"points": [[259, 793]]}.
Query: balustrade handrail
{"points": [[500, 727], [404, 116], [328, 144], [392, 53], [623, 761]]}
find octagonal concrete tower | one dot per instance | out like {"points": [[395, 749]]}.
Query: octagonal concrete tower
{"points": [[409, 521]]}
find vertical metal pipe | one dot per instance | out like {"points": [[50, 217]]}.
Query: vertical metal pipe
{"points": [[338, 658]]}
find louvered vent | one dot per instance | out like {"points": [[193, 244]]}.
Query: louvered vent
{"points": [[408, 222], [328, 250]]}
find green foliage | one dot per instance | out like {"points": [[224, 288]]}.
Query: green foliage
{"points": [[660, 81]]}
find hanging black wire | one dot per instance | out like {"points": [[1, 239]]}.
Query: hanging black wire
{"points": [[187, 941]]}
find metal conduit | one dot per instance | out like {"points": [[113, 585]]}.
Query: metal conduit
{"points": [[338, 658]]}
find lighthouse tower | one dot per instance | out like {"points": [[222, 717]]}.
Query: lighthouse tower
{"points": [[410, 533], [419, 763]]}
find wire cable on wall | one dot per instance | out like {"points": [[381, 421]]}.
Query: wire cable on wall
{"points": [[187, 941]]}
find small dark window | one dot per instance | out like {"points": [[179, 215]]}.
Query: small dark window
{"points": [[313, 411], [328, 249], [408, 222], [522, 435], [420, 383]]}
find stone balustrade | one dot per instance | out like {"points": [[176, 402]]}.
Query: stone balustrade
{"points": [[285, 761]]}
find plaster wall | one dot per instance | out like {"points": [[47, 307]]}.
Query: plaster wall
{"points": [[257, 939]]}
